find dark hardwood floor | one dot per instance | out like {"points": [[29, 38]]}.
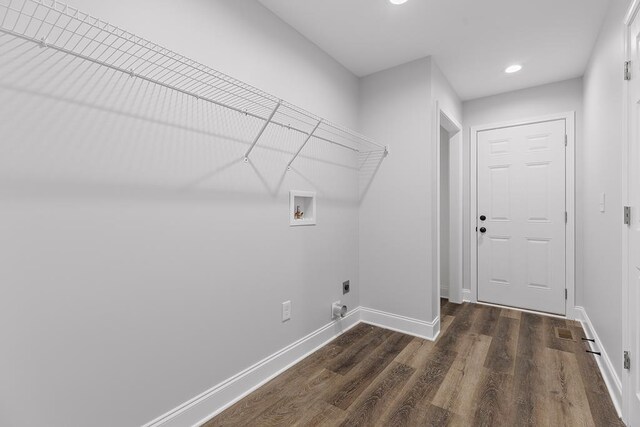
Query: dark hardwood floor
{"points": [[489, 367]]}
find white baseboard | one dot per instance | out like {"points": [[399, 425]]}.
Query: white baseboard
{"points": [[466, 295], [213, 401], [614, 385], [406, 325], [218, 398]]}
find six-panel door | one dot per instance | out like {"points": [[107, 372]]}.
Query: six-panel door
{"points": [[521, 192]]}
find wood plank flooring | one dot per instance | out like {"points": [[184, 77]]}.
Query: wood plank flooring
{"points": [[489, 367]]}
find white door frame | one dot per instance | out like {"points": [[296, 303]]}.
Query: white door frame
{"points": [[626, 145], [569, 117], [447, 120]]}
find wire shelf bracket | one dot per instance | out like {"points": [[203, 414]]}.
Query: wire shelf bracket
{"points": [[51, 24], [264, 127], [303, 144]]}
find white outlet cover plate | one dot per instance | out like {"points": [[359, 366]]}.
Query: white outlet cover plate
{"points": [[286, 311]]}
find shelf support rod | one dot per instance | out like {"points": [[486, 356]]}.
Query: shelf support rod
{"points": [[304, 143], [264, 127]]}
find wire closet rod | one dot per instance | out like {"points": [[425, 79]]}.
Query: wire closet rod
{"points": [[82, 36]]}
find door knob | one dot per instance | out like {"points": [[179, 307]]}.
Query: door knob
{"points": [[483, 230], [482, 217]]}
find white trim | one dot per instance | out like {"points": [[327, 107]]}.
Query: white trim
{"points": [[627, 328], [406, 325], [633, 11], [611, 379], [208, 404], [466, 295], [570, 120], [213, 401], [473, 215], [570, 234]]}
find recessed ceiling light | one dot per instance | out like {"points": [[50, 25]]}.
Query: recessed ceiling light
{"points": [[513, 69], [397, 1]]}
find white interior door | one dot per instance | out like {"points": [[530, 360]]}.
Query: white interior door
{"points": [[521, 216], [632, 267]]}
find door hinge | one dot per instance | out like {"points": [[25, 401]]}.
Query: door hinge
{"points": [[627, 360], [627, 215], [566, 293], [566, 217], [627, 70], [566, 140]]}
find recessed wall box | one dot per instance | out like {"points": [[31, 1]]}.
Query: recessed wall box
{"points": [[302, 208]]}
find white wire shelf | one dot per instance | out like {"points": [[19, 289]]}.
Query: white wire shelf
{"points": [[55, 25]]}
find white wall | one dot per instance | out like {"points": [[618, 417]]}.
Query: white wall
{"points": [[142, 261], [446, 96], [534, 102], [398, 211], [602, 165]]}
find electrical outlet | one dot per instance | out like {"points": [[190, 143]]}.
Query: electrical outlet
{"points": [[346, 287], [286, 311]]}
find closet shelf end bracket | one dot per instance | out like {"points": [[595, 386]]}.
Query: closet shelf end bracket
{"points": [[304, 143], [264, 127]]}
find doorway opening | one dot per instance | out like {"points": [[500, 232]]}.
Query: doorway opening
{"points": [[445, 218], [449, 208]]}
